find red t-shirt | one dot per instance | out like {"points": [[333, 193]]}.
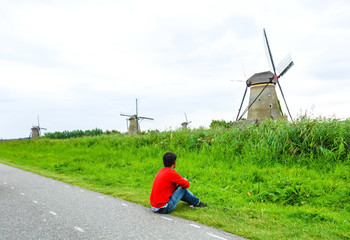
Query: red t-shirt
{"points": [[164, 186]]}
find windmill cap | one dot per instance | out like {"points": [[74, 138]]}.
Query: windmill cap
{"points": [[263, 77]]}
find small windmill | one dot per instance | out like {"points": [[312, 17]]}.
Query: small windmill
{"points": [[263, 101], [134, 121], [36, 131], [185, 124]]}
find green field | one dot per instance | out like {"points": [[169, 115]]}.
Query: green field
{"points": [[278, 180]]}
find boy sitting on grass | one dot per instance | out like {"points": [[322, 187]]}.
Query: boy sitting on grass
{"points": [[169, 188]]}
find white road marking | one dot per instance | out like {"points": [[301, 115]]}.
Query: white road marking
{"points": [[196, 226], [125, 204], [100, 197], [44, 220], [81, 190], [35, 202], [23, 194], [5, 183], [53, 213], [210, 234], [12, 188], [79, 229], [169, 219]]}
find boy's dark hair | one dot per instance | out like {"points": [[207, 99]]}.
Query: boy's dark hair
{"points": [[168, 159]]}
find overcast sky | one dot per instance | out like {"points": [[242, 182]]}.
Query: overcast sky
{"points": [[79, 64]]}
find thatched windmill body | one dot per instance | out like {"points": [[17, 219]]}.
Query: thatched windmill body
{"points": [[133, 121], [263, 100], [36, 131]]}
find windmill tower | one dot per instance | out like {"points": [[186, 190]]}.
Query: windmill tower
{"points": [[263, 101], [134, 121], [184, 125], [36, 131]]}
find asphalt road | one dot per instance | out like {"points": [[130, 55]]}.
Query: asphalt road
{"points": [[36, 207]]}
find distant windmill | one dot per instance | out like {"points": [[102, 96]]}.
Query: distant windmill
{"points": [[185, 124], [263, 101], [36, 131], [134, 121]]}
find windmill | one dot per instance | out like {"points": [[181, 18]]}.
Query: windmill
{"points": [[36, 131], [263, 101], [134, 121], [185, 124]]}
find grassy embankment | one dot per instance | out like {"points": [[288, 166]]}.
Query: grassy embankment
{"points": [[275, 181]]}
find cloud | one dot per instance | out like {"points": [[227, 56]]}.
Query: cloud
{"points": [[78, 64]]}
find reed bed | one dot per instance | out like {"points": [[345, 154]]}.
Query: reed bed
{"points": [[275, 180]]}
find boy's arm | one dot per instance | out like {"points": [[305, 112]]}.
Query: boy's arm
{"points": [[180, 181]]}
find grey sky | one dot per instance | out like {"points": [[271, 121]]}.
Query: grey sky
{"points": [[79, 64]]}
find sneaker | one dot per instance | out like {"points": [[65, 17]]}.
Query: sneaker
{"points": [[200, 204]]}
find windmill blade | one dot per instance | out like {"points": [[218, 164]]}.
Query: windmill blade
{"points": [[240, 80], [186, 117], [285, 65], [269, 50], [44, 128], [137, 125], [126, 115], [137, 113], [243, 71], [286, 69], [247, 108], [285, 102], [145, 118], [239, 111]]}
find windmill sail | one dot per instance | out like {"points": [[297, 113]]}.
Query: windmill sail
{"points": [[267, 47], [285, 65], [146, 118]]}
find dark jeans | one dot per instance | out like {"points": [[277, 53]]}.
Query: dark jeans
{"points": [[179, 194]]}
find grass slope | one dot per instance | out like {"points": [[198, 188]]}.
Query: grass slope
{"points": [[278, 180]]}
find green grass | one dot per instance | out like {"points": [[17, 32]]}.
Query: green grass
{"points": [[278, 180]]}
